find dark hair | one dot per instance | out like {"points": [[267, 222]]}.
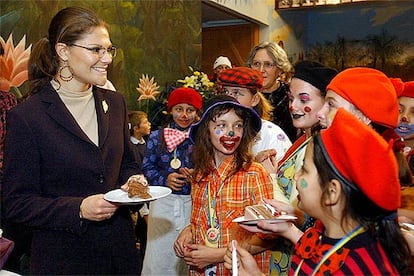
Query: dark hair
{"points": [[362, 209], [203, 152], [67, 26]]}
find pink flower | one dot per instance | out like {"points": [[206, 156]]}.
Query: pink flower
{"points": [[13, 63]]}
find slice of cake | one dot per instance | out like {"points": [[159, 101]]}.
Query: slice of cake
{"points": [[138, 187], [260, 211]]}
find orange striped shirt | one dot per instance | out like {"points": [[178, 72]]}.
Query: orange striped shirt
{"points": [[232, 195]]}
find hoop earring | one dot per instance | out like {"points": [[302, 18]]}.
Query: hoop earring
{"points": [[64, 77]]}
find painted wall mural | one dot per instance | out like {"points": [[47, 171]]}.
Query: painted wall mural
{"points": [[157, 39], [379, 36]]}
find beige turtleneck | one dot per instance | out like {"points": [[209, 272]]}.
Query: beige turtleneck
{"points": [[82, 107]]}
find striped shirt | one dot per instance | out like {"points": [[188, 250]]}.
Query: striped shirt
{"points": [[229, 196], [363, 256]]}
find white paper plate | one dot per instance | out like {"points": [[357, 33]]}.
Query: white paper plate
{"points": [[280, 218], [408, 226], [121, 196]]}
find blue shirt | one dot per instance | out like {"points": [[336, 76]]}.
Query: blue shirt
{"points": [[156, 164]]}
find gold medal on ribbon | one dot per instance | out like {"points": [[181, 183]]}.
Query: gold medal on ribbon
{"points": [[175, 163], [213, 235]]}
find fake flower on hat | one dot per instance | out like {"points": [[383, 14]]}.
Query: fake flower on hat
{"points": [[371, 91], [241, 77], [347, 143], [185, 95], [221, 60]]}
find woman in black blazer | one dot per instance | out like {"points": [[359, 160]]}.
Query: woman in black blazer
{"points": [[66, 146]]}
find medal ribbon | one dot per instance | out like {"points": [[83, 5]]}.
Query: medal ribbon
{"points": [[349, 236], [211, 211]]}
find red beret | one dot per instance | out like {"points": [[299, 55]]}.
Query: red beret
{"points": [[371, 91], [398, 85], [408, 89], [241, 77], [185, 95], [363, 158]]}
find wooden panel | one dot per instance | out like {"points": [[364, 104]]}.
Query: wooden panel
{"points": [[235, 42]]}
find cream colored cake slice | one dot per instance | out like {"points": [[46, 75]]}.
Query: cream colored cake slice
{"points": [[260, 211]]}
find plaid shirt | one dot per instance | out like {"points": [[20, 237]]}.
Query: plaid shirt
{"points": [[232, 195]]}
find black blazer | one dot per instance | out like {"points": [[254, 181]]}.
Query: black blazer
{"points": [[51, 165]]}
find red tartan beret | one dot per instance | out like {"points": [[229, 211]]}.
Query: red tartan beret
{"points": [[363, 158], [241, 77], [408, 89], [371, 91], [185, 95]]}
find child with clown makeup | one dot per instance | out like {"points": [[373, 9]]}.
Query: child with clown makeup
{"points": [[354, 201], [167, 163], [225, 181], [405, 127]]}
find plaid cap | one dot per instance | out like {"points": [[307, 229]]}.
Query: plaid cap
{"points": [[241, 77]]}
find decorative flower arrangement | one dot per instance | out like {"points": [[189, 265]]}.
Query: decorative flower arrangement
{"points": [[13, 73], [14, 64], [200, 82], [153, 102]]}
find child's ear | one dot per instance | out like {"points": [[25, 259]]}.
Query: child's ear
{"points": [[334, 192]]}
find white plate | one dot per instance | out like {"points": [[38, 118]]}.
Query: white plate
{"points": [[121, 196], [407, 226], [280, 218]]}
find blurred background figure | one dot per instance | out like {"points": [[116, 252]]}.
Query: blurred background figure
{"points": [[220, 64], [272, 61]]}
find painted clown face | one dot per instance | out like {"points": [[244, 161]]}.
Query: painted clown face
{"points": [[184, 115], [309, 189], [305, 101], [225, 133], [405, 127]]}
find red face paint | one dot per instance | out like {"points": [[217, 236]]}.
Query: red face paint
{"points": [[307, 109]]}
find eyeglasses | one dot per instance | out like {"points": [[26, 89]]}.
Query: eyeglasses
{"points": [[100, 51], [235, 93], [266, 65]]}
